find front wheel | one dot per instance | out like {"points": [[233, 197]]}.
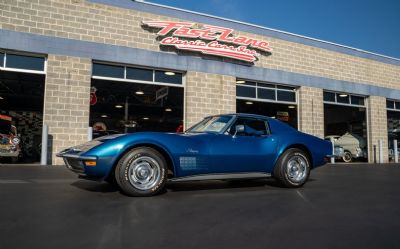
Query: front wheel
{"points": [[141, 172], [293, 168]]}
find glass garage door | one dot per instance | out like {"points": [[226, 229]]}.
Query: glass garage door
{"points": [[22, 79], [267, 99], [126, 99]]}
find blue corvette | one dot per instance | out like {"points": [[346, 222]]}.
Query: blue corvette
{"points": [[221, 147]]}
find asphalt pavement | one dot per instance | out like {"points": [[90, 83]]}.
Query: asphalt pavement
{"points": [[341, 206]]}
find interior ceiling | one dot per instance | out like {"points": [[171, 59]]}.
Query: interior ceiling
{"points": [[21, 91], [117, 93]]}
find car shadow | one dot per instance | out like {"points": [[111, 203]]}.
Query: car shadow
{"points": [[92, 186], [218, 184], [103, 187]]}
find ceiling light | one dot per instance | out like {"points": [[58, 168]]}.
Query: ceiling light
{"points": [[168, 109], [104, 116], [145, 118], [240, 81], [343, 95], [249, 103], [291, 107], [118, 106], [139, 92], [169, 73]]}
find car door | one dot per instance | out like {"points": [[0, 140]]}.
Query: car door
{"points": [[250, 151]]}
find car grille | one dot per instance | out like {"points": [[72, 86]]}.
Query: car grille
{"points": [[74, 164]]}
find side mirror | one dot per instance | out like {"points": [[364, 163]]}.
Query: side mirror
{"points": [[238, 129]]}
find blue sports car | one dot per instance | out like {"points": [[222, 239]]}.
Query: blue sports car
{"points": [[221, 147]]}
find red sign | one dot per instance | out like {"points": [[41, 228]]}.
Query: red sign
{"points": [[4, 117], [210, 40], [93, 97]]}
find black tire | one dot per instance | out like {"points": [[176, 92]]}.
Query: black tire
{"points": [[347, 157], [285, 174], [139, 163]]}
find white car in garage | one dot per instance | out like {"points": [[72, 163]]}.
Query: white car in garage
{"points": [[354, 146]]}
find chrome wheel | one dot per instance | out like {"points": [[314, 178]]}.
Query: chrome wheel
{"points": [[297, 168], [347, 157], [144, 173]]}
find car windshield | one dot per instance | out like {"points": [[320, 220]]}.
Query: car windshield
{"points": [[211, 124]]}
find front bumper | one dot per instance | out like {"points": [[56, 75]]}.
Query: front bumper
{"points": [[9, 153], [87, 167], [76, 163], [361, 153]]}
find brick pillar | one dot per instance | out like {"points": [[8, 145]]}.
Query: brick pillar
{"points": [[377, 130], [208, 94], [311, 111], [66, 105]]}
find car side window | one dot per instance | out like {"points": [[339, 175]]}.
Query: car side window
{"points": [[252, 127]]}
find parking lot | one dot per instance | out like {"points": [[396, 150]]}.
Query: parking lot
{"points": [[341, 206]]}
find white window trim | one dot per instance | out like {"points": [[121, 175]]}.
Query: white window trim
{"points": [[12, 69], [125, 66], [276, 89], [138, 81], [345, 104], [22, 70], [267, 100], [393, 109]]}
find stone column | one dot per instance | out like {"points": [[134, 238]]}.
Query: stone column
{"points": [[208, 94], [377, 127], [311, 111], [66, 104]]}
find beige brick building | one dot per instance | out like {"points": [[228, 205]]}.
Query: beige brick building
{"points": [[85, 56]]}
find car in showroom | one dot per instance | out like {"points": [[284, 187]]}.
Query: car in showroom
{"points": [[221, 147], [10, 146], [394, 135], [353, 146]]}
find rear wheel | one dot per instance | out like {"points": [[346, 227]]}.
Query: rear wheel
{"points": [[347, 157], [141, 172], [293, 168]]}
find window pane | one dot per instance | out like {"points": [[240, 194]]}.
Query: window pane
{"points": [[252, 127], [265, 85], [343, 98], [139, 74], [25, 62], [266, 93], [286, 96], [389, 104], [168, 77], [285, 87], [244, 82], [1, 59], [108, 71], [255, 127], [243, 91], [356, 100], [249, 83], [328, 96], [397, 105]]}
